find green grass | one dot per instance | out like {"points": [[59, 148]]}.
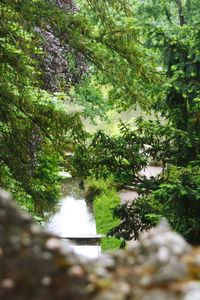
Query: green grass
{"points": [[103, 205]]}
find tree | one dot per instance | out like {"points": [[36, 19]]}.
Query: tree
{"points": [[46, 48], [169, 32], [172, 31], [34, 123]]}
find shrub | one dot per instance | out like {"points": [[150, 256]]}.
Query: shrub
{"points": [[177, 198]]}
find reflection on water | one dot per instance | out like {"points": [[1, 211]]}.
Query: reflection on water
{"points": [[73, 217]]}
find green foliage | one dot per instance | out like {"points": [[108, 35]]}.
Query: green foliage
{"points": [[170, 35], [104, 203], [34, 120], [145, 52], [7, 182], [125, 155], [110, 40], [171, 32], [107, 155], [134, 219], [46, 181], [177, 197], [90, 96], [35, 126]]}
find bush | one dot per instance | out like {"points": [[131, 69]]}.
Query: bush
{"points": [[7, 182], [177, 198]]}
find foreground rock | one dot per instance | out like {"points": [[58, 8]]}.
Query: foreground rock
{"points": [[34, 265]]}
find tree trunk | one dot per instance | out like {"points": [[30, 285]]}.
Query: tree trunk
{"points": [[180, 12]]}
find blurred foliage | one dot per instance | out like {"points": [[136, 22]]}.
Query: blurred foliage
{"points": [[94, 103]]}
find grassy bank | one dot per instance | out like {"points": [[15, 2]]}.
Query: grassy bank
{"points": [[104, 200]]}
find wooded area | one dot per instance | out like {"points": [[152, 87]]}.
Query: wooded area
{"points": [[103, 56]]}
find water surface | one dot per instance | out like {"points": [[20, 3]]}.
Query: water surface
{"points": [[73, 217]]}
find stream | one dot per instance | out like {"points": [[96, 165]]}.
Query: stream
{"points": [[72, 216]]}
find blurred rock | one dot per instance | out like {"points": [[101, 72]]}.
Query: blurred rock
{"points": [[35, 266]]}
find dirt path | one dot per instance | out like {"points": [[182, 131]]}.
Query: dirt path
{"points": [[128, 195]]}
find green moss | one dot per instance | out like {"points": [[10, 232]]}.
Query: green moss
{"points": [[103, 205]]}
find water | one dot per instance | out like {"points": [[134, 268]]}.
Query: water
{"points": [[73, 217]]}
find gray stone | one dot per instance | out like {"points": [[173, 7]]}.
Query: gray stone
{"points": [[35, 266]]}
